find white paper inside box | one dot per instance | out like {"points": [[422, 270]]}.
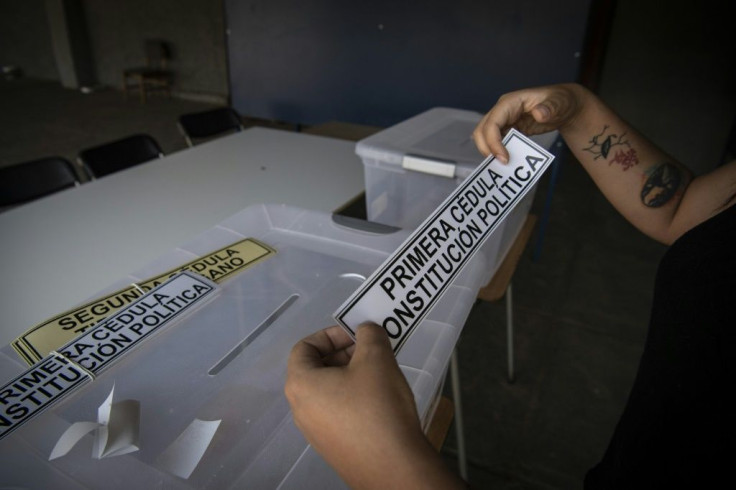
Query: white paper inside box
{"points": [[318, 263]]}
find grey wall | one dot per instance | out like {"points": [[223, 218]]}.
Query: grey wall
{"points": [[68, 28], [670, 72], [195, 29], [117, 31], [25, 40]]}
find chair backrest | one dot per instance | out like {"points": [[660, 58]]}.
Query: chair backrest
{"points": [[37, 178], [119, 155], [158, 53], [209, 123]]}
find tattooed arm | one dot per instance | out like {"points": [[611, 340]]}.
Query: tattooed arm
{"points": [[654, 192]]}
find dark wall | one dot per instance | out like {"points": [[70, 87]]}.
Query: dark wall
{"points": [[671, 72], [194, 28], [382, 61], [25, 40]]}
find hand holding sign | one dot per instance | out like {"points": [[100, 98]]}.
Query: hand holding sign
{"points": [[532, 111], [370, 433], [402, 291]]}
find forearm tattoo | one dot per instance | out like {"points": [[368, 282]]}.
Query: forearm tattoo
{"points": [[602, 148], [663, 181], [661, 185]]}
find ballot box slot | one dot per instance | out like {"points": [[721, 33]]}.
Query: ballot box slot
{"points": [[363, 225], [240, 347]]}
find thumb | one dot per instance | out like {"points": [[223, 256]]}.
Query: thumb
{"points": [[542, 113], [558, 106], [372, 344]]}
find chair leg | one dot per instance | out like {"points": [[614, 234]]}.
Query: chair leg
{"points": [[510, 332], [455, 380]]}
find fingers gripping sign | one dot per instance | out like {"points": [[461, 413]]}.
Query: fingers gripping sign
{"points": [[355, 408], [532, 111], [328, 373]]}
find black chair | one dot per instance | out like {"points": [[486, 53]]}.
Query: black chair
{"points": [[118, 155], [201, 125], [30, 180]]}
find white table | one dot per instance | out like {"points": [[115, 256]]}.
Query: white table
{"points": [[59, 251]]}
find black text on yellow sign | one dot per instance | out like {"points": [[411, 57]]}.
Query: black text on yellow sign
{"points": [[45, 337]]}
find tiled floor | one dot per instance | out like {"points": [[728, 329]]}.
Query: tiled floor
{"points": [[581, 310]]}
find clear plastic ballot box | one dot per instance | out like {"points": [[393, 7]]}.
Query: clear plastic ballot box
{"points": [[410, 168], [319, 260]]}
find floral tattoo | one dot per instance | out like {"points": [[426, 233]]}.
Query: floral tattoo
{"points": [[626, 159]]}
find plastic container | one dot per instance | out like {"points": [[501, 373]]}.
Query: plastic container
{"points": [[410, 168], [320, 260]]}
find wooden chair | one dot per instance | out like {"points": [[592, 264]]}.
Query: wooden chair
{"points": [[154, 76], [37, 178], [118, 155]]}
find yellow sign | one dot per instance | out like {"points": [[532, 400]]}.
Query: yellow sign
{"points": [[45, 337]]}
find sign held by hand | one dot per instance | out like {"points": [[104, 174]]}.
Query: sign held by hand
{"points": [[400, 293]]}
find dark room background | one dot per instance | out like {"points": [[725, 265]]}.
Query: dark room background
{"points": [[669, 71]]}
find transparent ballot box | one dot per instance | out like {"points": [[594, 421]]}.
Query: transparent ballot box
{"points": [[410, 168], [190, 372]]}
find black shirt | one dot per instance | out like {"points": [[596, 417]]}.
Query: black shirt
{"points": [[679, 425]]}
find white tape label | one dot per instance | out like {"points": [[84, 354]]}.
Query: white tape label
{"points": [[400, 293], [427, 166], [86, 356]]}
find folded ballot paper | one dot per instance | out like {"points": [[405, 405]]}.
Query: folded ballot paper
{"points": [[116, 430], [400, 293]]}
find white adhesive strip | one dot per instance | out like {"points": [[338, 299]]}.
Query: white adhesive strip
{"points": [[71, 437], [428, 166], [184, 454]]}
